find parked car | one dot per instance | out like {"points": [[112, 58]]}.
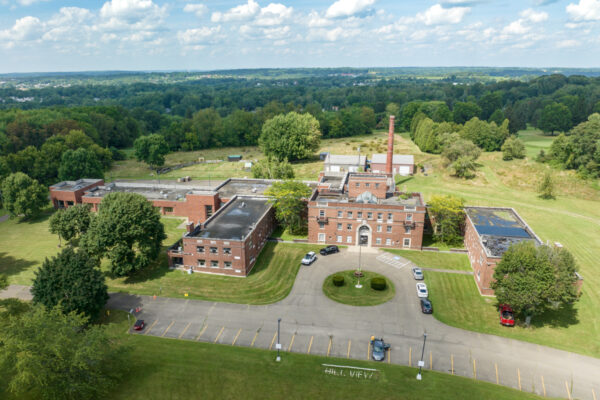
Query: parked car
{"points": [[378, 348], [329, 250], [139, 325], [426, 306], [507, 317], [417, 273], [309, 258], [422, 290]]}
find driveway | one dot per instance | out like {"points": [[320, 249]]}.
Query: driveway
{"points": [[314, 324]]}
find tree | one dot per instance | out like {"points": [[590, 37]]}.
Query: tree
{"points": [[291, 136], [489, 103], [546, 187], [22, 195], [151, 149], [72, 222], [487, 136], [464, 167], [448, 217], [80, 163], [127, 230], [513, 148], [555, 117], [455, 148], [288, 199], [533, 279], [49, 354], [464, 112], [73, 281], [497, 117], [269, 168]]}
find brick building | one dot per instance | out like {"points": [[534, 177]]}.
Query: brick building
{"points": [[489, 232], [401, 164], [344, 163], [69, 193], [229, 242]]}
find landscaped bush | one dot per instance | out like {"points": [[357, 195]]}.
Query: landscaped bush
{"points": [[378, 283], [338, 280]]}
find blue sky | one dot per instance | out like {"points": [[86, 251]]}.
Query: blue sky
{"points": [[51, 35]]}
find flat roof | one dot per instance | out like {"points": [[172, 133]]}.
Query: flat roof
{"points": [[396, 159], [345, 159], [250, 187], [165, 190], [499, 228], [71, 186], [235, 220]]}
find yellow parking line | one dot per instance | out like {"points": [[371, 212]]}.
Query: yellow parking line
{"points": [[410, 356], [310, 344], [474, 369], [593, 394], [568, 391], [369, 351], [497, 378], [219, 334], [389, 356], [254, 340], [452, 363], [201, 332], [544, 388], [329, 347], [236, 337], [184, 330], [349, 344], [273, 340], [291, 343], [167, 330], [151, 326], [519, 376]]}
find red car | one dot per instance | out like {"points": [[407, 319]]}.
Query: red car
{"points": [[139, 325], [507, 317]]}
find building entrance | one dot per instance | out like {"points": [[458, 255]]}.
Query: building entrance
{"points": [[364, 234]]}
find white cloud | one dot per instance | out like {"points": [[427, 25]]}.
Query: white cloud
{"points": [[242, 12], [438, 15], [25, 29], [533, 16], [131, 15], [198, 36], [196, 8], [585, 10], [316, 21], [516, 28], [523, 24], [69, 24], [332, 35], [273, 14], [348, 8], [568, 43]]}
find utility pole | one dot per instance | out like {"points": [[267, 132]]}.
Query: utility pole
{"points": [[421, 362], [278, 345]]}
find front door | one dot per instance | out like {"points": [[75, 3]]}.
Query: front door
{"points": [[363, 236]]}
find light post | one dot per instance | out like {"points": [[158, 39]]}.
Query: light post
{"points": [[278, 345], [358, 285], [421, 362]]}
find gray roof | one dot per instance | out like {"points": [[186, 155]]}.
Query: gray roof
{"points": [[250, 187], [152, 190], [397, 159], [71, 186], [338, 159]]}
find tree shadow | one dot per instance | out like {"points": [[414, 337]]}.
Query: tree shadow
{"points": [[563, 317], [41, 217], [156, 270], [10, 265], [264, 258], [404, 179]]}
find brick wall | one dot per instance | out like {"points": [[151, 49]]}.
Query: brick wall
{"points": [[67, 198], [483, 266], [359, 184], [380, 168]]}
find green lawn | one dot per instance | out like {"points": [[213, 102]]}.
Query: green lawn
{"points": [[365, 296], [284, 233], [177, 369], [432, 259], [535, 141], [430, 241]]}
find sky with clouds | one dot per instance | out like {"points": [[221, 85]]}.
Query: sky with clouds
{"points": [[52, 35]]}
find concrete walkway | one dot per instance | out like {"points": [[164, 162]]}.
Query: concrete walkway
{"points": [[314, 324]]}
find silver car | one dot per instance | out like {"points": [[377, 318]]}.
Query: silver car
{"points": [[309, 258], [417, 273]]}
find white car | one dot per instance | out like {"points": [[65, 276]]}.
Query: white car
{"points": [[422, 290], [309, 258], [417, 274]]}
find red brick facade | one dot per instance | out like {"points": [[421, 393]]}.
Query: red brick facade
{"points": [[66, 194], [482, 264]]}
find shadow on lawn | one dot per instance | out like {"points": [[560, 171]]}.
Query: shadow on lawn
{"points": [[561, 318], [156, 270], [264, 257], [10, 265]]}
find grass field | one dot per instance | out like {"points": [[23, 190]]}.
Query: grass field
{"points": [[176, 369], [365, 296], [432, 259], [284, 233]]}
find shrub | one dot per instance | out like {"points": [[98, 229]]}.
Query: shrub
{"points": [[378, 283], [338, 280]]}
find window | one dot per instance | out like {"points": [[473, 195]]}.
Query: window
{"points": [[321, 213], [478, 274], [200, 249], [226, 250], [214, 264], [378, 228], [168, 209], [359, 215], [227, 264], [349, 227], [406, 242], [388, 242], [339, 227], [409, 217], [202, 263], [208, 210], [214, 250], [390, 217], [367, 184], [321, 237], [407, 229], [380, 216], [377, 186], [69, 203], [389, 229], [357, 184], [349, 214], [321, 225], [339, 239], [340, 214], [348, 239], [378, 241], [370, 215]]}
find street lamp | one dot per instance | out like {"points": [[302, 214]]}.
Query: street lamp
{"points": [[278, 345], [421, 362]]}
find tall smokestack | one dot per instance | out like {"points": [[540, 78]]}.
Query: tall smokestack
{"points": [[390, 149]]}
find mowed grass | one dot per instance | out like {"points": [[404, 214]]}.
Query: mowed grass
{"points": [[284, 233], [270, 280], [535, 141], [365, 296], [432, 259], [161, 369]]}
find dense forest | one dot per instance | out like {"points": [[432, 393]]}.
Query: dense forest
{"points": [[41, 128]]}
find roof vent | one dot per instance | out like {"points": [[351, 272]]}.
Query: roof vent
{"points": [[165, 196], [254, 190], [242, 204]]}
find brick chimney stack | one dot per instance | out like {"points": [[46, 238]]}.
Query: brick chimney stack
{"points": [[390, 148]]}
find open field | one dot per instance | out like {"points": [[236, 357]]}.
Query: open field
{"points": [[535, 141], [432, 259], [366, 296], [177, 369]]}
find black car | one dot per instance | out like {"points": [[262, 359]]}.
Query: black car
{"points": [[426, 306], [329, 250]]}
